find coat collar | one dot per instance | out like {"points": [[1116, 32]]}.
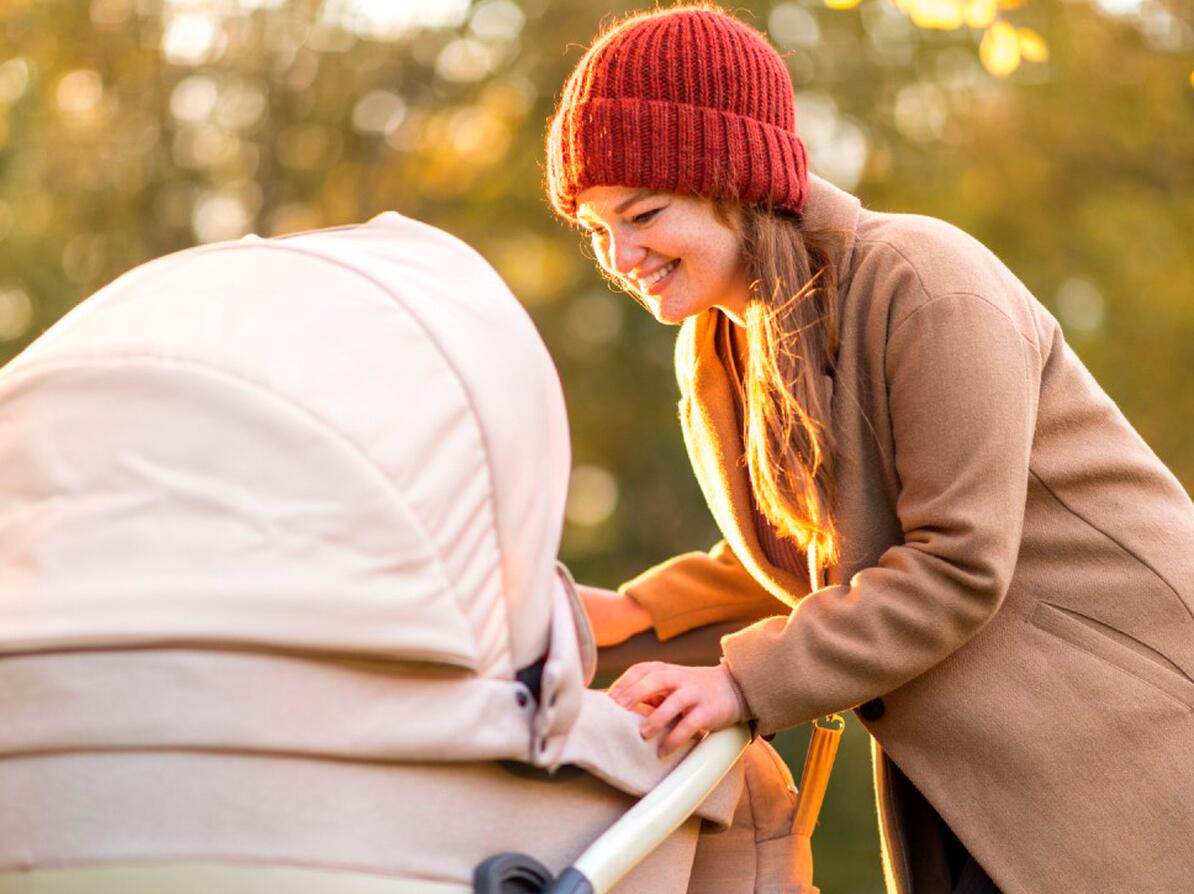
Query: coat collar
{"points": [[830, 208], [710, 421]]}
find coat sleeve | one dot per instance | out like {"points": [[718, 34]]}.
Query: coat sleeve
{"points": [[962, 384], [696, 589]]}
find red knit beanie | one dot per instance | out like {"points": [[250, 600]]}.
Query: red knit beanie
{"points": [[686, 99]]}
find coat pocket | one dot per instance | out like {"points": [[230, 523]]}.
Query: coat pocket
{"points": [[1116, 648]]}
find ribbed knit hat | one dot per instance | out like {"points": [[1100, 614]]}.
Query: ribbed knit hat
{"points": [[686, 99]]}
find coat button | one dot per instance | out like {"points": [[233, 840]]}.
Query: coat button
{"points": [[872, 710]]}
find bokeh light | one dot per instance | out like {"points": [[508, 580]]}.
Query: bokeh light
{"points": [[80, 91], [498, 20], [16, 313], [378, 112], [1081, 306], [592, 496], [14, 80], [192, 38], [793, 25]]}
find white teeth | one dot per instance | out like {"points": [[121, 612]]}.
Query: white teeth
{"points": [[659, 274]]}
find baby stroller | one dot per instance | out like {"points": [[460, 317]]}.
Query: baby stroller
{"points": [[279, 608]]}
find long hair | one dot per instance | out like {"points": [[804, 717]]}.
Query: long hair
{"points": [[791, 333]]}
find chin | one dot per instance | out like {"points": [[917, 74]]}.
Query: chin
{"points": [[671, 314]]}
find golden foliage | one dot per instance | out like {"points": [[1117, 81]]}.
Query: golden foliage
{"points": [[1032, 46], [941, 15], [1000, 50], [981, 13], [1003, 46]]}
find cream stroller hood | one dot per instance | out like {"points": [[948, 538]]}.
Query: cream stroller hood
{"points": [[237, 466], [349, 441], [278, 527]]}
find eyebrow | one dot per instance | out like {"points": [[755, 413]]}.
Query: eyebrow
{"points": [[641, 194]]}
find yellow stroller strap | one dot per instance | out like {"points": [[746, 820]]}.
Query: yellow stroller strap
{"points": [[818, 763]]}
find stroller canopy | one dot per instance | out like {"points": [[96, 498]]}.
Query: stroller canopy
{"points": [[280, 516], [349, 441]]}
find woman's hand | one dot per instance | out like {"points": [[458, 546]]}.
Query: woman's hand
{"points": [[614, 617], [690, 700]]}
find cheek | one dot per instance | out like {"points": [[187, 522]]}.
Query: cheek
{"points": [[733, 264], [713, 270]]}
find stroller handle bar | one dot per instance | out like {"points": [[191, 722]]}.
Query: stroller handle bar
{"points": [[656, 815]]}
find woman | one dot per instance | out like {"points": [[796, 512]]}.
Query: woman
{"points": [[973, 547]]}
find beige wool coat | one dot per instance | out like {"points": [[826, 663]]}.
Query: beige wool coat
{"points": [[1013, 606]]}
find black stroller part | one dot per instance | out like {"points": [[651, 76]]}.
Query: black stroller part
{"points": [[523, 770], [531, 677], [511, 873], [571, 881]]}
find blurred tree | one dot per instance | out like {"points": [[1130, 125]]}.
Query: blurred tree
{"points": [[1060, 132]]}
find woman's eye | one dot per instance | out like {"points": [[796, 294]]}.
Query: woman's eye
{"points": [[646, 216]]}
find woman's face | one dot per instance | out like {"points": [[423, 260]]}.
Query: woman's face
{"points": [[672, 252]]}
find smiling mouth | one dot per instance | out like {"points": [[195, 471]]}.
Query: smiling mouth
{"points": [[649, 283]]}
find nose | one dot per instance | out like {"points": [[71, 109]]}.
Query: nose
{"points": [[625, 252]]}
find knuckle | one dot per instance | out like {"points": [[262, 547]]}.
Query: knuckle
{"points": [[668, 712], [682, 734]]}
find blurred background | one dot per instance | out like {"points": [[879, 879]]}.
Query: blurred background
{"points": [[1059, 132]]}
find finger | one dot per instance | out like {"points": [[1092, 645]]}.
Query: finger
{"points": [[690, 725], [669, 710], [652, 686], [632, 675], [646, 706]]}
